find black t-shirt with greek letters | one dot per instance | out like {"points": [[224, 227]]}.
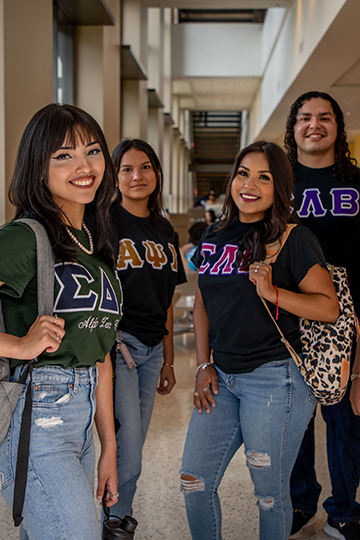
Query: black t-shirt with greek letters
{"points": [[149, 266], [329, 207], [242, 335]]}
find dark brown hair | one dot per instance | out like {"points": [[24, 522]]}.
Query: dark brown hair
{"points": [[43, 136], [155, 202], [272, 226], [344, 166]]}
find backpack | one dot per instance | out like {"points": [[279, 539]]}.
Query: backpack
{"points": [[9, 391], [326, 347]]}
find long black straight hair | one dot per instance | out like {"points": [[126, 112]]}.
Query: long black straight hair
{"points": [[46, 132], [272, 226], [155, 203]]}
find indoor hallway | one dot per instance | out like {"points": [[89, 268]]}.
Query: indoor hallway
{"points": [[159, 505]]}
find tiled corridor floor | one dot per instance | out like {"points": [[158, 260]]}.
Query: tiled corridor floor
{"points": [[159, 505]]}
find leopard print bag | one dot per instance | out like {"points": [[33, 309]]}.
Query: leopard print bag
{"points": [[326, 347]]}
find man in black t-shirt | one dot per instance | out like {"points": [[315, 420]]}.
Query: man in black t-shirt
{"points": [[327, 199]]}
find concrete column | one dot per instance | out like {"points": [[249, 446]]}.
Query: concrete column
{"points": [[355, 149], [97, 73], [175, 171], [26, 77], [167, 165], [3, 194], [134, 98]]}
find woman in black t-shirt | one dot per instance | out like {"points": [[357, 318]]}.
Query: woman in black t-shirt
{"points": [[149, 266], [253, 393]]}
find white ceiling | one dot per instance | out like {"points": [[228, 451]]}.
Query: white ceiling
{"points": [[213, 94], [217, 4], [333, 67]]}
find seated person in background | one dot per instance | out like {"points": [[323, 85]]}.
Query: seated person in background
{"points": [[187, 250], [210, 217]]}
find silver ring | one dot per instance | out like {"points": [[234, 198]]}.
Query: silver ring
{"points": [[256, 269], [57, 336], [196, 394], [56, 318], [114, 496], [204, 389]]}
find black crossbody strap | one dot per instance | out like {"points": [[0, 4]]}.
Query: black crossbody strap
{"points": [[45, 295]]}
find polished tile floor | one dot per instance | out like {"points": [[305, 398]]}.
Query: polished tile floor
{"points": [[159, 505]]}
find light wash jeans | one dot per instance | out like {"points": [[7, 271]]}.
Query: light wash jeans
{"points": [[59, 501], [135, 391], [267, 410]]}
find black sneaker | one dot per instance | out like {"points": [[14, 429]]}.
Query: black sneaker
{"points": [[342, 531], [301, 521]]}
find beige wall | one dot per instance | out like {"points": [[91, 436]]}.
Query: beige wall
{"points": [[89, 87], [111, 76], [2, 118], [27, 71], [97, 73]]}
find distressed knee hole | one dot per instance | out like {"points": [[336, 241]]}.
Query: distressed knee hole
{"points": [[47, 423], [189, 483], [258, 460], [265, 502]]}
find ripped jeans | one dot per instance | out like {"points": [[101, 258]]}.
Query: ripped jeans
{"points": [[267, 410], [59, 501]]}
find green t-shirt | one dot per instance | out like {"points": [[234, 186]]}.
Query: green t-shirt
{"points": [[87, 295]]}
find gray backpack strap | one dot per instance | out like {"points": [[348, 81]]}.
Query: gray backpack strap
{"points": [[4, 362], [45, 267], [45, 283], [45, 296]]}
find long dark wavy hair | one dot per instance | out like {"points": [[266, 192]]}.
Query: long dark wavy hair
{"points": [[155, 202], [344, 166], [272, 226], [46, 132]]}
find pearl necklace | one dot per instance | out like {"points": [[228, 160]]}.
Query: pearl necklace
{"points": [[79, 244]]}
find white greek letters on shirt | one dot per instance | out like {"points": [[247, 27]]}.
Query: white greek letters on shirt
{"points": [[344, 202]]}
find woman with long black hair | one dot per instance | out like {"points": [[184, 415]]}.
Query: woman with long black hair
{"points": [[252, 393], [149, 266], [64, 178]]}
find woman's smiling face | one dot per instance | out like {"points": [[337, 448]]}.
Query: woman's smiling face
{"points": [[75, 173], [137, 178], [252, 189]]}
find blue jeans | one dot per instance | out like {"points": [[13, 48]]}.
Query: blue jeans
{"points": [[343, 450], [59, 501], [267, 410], [135, 391]]}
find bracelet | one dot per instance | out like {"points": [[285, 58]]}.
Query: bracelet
{"points": [[354, 376], [204, 365], [277, 303], [169, 365]]}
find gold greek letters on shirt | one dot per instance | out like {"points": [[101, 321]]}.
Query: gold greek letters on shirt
{"points": [[154, 255], [174, 263], [128, 255]]}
